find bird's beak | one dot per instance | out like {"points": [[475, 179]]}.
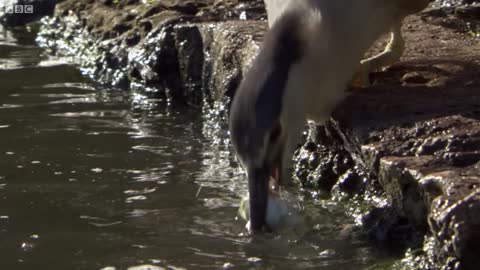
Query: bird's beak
{"points": [[262, 183], [258, 196]]}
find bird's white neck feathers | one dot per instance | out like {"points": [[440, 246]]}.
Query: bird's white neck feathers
{"points": [[335, 35]]}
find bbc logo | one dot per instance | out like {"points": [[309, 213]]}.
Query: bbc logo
{"points": [[18, 9]]}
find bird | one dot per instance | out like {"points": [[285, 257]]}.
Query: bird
{"points": [[311, 52]]}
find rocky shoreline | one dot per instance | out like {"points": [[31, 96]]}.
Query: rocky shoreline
{"points": [[169, 49], [412, 138]]}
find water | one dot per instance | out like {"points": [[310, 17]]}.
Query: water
{"points": [[93, 177]]}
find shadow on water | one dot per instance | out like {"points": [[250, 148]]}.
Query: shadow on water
{"points": [[92, 177]]}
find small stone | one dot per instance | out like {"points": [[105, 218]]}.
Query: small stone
{"points": [[414, 78], [97, 170], [327, 253], [146, 267], [254, 259], [228, 265]]}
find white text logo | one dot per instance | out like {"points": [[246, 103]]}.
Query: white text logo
{"points": [[18, 9]]}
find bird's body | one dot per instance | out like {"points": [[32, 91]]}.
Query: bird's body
{"points": [[310, 54], [338, 35]]}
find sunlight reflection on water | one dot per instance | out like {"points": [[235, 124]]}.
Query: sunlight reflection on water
{"points": [[105, 178]]}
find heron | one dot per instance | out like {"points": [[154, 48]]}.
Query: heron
{"points": [[312, 51]]}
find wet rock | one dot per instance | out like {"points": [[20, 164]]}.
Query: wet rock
{"points": [[21, 12], [178, 50], [425, 162], [454, 220], [384, 225], [450, 3], [471, 12], [463, 18], [424, 155], [322, 163], [229, 49], [190, 54]]}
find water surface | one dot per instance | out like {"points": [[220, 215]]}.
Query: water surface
{"points": [[93, 177]]}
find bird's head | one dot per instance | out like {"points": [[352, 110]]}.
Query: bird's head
{"points": [[258, 130]]}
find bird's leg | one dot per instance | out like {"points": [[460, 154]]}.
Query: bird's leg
{"points": [[392, 53]]}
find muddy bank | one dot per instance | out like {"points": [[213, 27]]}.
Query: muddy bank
{"points": [[413, 137]]}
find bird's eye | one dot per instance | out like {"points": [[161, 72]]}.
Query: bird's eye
{"points": [[276, 131]]}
